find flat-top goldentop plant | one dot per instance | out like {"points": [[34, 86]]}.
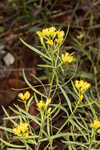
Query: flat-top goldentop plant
{"points": [[52, 40], [41, 130]]}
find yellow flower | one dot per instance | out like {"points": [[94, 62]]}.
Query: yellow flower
{"points": [[49, 110], [48, 101], [48, 31], [52, 32], [27, 95], [50, 42], [26, 135], [60, 38], [16, 131], [81, 97], [45, 32], [60, 34], [77, 84], [52, 29], [80, 36], [41, 104], [21, 96], [67, 58], [39, 34], [24, 96], [95, 125], [21, 129], [49, 34], [82, 86]]}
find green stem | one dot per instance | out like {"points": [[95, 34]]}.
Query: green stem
{"points": [[92, 139], [51, 83], [41, 128], [25, 143], [50, 141], [70, 116]]}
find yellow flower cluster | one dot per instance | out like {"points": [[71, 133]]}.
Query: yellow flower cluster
{"points": [[21, 130], [82, 86], [96, 125], [51, 35], [24, 96], [67, 58], [44, 105]]}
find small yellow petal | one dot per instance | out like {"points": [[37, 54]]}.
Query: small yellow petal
{"points": [[59, 40], [67, 58], [81, 97], [50, 42], [49, 110], [27, 95], [21, 96], [23, 127], [26, 135], [52, 29], [45, 32], [60, 34], [41, 105], [80, 36], [48, 101], [16, 131], [39, 34], [98, 131]]}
